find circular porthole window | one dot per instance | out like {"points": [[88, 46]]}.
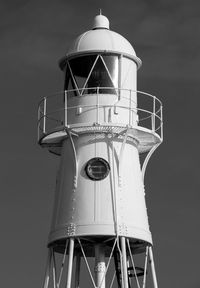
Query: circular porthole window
{"points": [[97, 168]]}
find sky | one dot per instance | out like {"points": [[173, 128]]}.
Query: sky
{"points": [[34, 35]]}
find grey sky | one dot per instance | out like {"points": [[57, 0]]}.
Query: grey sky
{"points": [[34, 35]]}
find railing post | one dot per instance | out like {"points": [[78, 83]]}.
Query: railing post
{"points": [[161, 119], [120, 77], [119, 94], [38, 123], [44, 115], [97, 105], [154, 110], [65, 115], [130, 107]]}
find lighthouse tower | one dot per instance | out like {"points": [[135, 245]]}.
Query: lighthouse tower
{"points": [[99, 126]]}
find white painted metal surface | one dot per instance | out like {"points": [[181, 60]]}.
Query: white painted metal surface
{"points": [[100, 115], [90, 207], [100, 21]]}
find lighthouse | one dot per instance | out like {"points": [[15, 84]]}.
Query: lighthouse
{"points": [[104, 131]]}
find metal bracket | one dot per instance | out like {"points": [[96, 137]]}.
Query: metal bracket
{"points": [[121, 158], [123, 229], [71, 229], [75, 157], [144, 166]]}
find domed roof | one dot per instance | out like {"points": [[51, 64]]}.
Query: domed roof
{"points": [[100, 38]]}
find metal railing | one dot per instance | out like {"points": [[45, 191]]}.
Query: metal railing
{"points": [[54, 111]]}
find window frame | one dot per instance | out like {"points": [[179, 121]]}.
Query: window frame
{"points": [[78, 91]]}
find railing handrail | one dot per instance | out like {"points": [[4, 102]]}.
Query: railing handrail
{"points": [[152, 112], [92, 88], [104, 106]]}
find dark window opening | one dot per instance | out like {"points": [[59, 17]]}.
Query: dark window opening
{"points": [[102, 78], [97, 168]]}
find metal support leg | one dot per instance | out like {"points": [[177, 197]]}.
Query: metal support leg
{"points": [[152, 268], [70, 262], [54, 270], [100, 266], [77, 274], [129, 272], [124, 263], [145, 267], [48, 267]]}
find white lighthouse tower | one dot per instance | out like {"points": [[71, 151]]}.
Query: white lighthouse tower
{"points": [[99, 126]]}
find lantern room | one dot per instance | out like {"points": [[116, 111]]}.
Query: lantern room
{"points": [[100, 90], [100, 58]]}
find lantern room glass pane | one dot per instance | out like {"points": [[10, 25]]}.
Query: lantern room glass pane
{"points": [[100, 78], [111, 62], [80, 68], [82, 74]]}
